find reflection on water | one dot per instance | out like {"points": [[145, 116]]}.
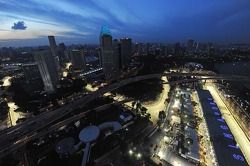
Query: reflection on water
{"points": [[239, 68]]}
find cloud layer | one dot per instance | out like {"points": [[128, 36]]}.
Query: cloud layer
{"points": [[79, 21]]}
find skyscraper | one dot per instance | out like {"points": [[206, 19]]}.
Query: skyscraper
{"points": [[126, 51], [177, 49], [47, 69], [107, 57], [78, 59], [117, 57], [62, 53], [53, 48], [32, 76], [190, 44]]}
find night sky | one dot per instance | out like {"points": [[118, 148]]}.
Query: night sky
{"points": [[29, 22]]}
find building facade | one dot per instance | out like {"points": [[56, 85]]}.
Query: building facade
{"points": [[78, 60], [107, 56], [126, 51], [32, 76], [47, 69], [53, 48]]}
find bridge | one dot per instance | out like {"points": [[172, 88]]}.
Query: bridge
{"points": [[15, 137]]}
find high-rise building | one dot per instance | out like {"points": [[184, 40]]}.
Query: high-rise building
{"points": [[177, 49], [78, 59], [53, 48], [47, 69], [137, 48], [32, 76], [62, 53], [126, 51], [107, 57], [190, 44], [116, 57], [147, 48]]}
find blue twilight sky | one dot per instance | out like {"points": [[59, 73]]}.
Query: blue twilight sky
{"points": [[29, 22]]}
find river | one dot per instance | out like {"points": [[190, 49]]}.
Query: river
{"points": [[239, 68]]}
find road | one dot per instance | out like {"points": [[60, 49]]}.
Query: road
{"points": [[236, 130], [156, 106], [13, 116], [6, 81]]}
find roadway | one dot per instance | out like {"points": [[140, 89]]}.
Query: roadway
{"points": [[236, 130], [155, 107], [23, 140], [20, 134]]}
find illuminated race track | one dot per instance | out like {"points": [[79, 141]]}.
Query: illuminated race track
{"points": [[17, 136]]}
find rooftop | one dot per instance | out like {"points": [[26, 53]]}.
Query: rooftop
{"points": [[226, 151], [105, 30]]}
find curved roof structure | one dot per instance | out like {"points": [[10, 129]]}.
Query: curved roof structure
{"points": [[115, 126], [89, 134]]}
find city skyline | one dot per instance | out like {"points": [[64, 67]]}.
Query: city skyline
{"points": [[28, 23]]}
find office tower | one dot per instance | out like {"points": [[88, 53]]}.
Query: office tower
{"points": [[32, 76], [147, 48], [177, 49], [164, 50], [53, 48], [136, 48], [31, 71], [78, 60], [62, 54], [98, 50], [107, 53], [190, 44], [126, 51], [117, 57], [47, 68], [210, 50]]}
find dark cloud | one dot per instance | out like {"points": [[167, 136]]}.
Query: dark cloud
{"points": [[20, 25]]}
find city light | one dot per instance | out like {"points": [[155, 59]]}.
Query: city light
{"points": [[160, 154], [177, 164], [138, 155], [130, 152]]}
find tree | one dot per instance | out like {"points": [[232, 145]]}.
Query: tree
{"points": [[162, 115], [159, 122], [143, 111], [148, 116], [133, 104], [138, 105], [194, 103], [4, 95]]}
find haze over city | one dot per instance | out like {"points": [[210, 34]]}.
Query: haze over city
{"points": [[28, 22]]}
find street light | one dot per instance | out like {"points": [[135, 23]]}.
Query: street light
{"points": [[130, 152], [138, 155]]}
